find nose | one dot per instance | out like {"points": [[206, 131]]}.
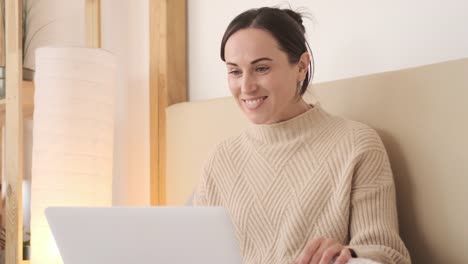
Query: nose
{"points": [[249, 84]]}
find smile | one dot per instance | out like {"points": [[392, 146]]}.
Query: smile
{"points": [[255, 103]]}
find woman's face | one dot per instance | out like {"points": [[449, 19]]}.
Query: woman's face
{"points": [[261, 78]]}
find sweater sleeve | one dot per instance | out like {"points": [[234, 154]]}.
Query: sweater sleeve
{"points": [[373, 218]]}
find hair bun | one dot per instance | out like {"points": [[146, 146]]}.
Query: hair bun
{"points": [[296, 16]]}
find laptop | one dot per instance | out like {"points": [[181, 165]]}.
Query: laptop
{"points": [[160, 235]]}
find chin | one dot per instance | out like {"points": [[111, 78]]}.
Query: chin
{"points": [[254, 116], [256, 119]]}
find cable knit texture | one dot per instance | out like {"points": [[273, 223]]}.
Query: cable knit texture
{"points": [[316, 175]]}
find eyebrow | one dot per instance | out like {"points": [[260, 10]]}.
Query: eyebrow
{"points": [[252, 62]]}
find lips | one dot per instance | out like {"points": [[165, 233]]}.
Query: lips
{"points": [[254, 103]]}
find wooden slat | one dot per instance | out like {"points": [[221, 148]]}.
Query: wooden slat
{"points": [[1, 170], [28, 99], [168, 82], [93, 23], [157, 81], [28, 102], [2, 36], [13, 133], [176, 52]]}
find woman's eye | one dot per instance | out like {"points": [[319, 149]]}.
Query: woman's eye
{"points": [[262, 68], [234, 72]]}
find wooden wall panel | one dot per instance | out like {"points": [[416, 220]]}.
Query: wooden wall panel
{"points": [[13, 133], [2, 35], [168, 81], [93, 23]]}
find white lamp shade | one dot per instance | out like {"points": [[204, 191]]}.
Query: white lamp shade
{"points": [[72, 137]]}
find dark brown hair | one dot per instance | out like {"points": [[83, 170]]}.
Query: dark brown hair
{"points": [[284, 25]]}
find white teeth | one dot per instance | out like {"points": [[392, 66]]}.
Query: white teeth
{"points": [[253, 104]]}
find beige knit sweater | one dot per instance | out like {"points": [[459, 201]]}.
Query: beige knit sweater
{"points": [[313, 175]]}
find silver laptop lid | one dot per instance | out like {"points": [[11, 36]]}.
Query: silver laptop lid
{"points": [[118, 235]]}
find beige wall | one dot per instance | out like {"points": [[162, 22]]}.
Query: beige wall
{"points": [[125, 32]]}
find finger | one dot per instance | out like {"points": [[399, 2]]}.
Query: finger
{"points": [[330, 252], [309, 251], [344, 256], [319, 252]]}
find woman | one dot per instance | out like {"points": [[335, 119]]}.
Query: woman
{"points": [[301, 185]]}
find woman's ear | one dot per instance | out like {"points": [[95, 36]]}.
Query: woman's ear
{"points": [[303, 64]]}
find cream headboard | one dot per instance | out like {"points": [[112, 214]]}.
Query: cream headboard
{"points": [[421, 115]]}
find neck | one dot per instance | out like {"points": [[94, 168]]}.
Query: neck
{"points": [[299, 108], [290, 129]]}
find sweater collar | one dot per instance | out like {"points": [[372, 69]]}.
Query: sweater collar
{"points": [[291, 129]]}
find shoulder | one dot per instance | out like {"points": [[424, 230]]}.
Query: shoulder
{"points": [[361, 136], [368, 156], [346, 125], [365, 137]]}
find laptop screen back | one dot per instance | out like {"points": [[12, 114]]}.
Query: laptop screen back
{"points": [[121, 235]]}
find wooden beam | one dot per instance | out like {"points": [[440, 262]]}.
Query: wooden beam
{"points": [[13, 133], [168, 82], [27, 95], [2, 35], [1, 178], [176, 51], [93, 23]]}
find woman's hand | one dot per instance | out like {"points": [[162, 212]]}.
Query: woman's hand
{"points": [[322, 251]]}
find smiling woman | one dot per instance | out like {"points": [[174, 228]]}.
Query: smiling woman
{"points": [[301, 185], [262, 79]]}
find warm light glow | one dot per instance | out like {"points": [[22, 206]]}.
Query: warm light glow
{"points": [[47, 247], [72, 137]]}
